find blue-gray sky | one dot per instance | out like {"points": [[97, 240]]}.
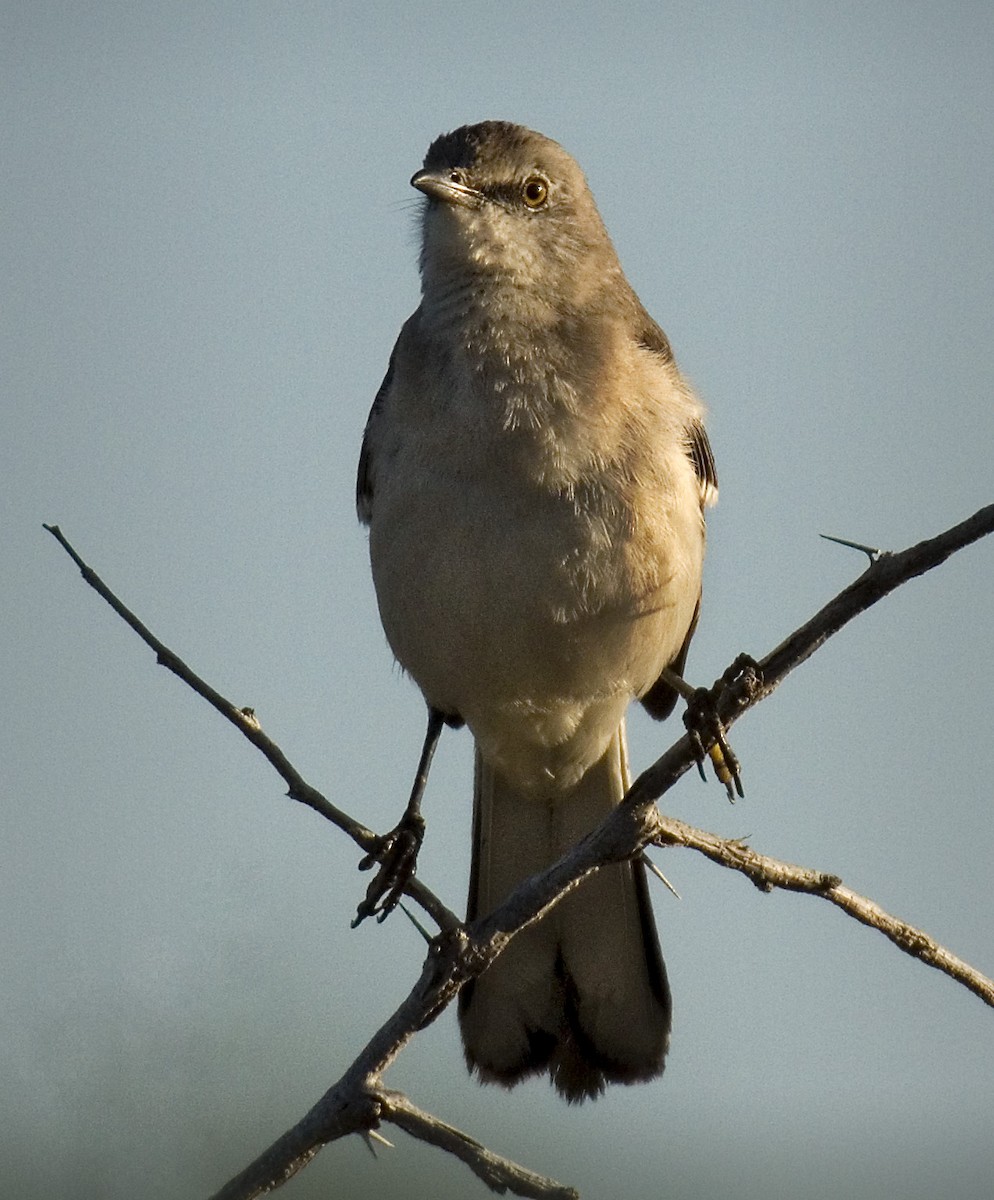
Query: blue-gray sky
{"points": [[209, 246]]}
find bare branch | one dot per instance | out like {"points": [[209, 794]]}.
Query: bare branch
{"points": [[746, 685], [881, 577], [246, 722], [341, 1113], [769, 873], [499, 1174], [358, 1102]]}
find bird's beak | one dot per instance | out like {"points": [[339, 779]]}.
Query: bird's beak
{"points": [[440, 186]]}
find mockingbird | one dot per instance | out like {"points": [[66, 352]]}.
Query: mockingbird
{"points": [[533, 473]]}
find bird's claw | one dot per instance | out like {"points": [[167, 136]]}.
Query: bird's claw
{"points": [[707, 733], [397, 855]]}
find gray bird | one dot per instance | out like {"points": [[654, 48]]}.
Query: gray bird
{"points": [[533, 474]]}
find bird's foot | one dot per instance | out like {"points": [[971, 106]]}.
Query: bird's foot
{"points": [[396, 853], [706, 730]]}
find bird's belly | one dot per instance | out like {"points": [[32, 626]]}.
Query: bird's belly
{"points": [[535, 621]]}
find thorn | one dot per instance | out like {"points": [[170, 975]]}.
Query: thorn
{"points": [[369, 1136], [416, 923], [871, 552], [651, 866]]}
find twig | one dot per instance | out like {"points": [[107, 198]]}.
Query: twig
{"points": [[769, 873], [749, 687], [246, 722], [498, 1173]]}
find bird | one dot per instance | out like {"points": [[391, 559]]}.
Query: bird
{"points": [[534, 473]]}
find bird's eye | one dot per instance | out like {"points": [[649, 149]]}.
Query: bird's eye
{"points": [[535, 191]]}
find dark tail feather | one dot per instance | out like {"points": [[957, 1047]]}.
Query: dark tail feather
{"points": [[582, 994]]}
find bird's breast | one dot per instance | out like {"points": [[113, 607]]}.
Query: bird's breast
{"points": [[493, 579]]}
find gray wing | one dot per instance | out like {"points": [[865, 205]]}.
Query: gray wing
{"points": [[660, 699], [649, 335], [364, 476]]}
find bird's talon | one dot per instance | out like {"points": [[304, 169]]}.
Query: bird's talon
{"points": [[700, 754], [707, 736], [396, 855]]}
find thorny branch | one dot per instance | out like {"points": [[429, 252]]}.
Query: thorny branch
{"points": [[359, 1102]]}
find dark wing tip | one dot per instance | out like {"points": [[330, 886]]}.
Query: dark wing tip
{"points": [[699, 449]]}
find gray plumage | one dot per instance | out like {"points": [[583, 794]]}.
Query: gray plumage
{"points": [[533, 474]]}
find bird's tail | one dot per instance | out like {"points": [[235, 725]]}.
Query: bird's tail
{"points": [[581, 994]]}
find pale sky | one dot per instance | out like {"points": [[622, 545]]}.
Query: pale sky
{"points": [[209, 248]]}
